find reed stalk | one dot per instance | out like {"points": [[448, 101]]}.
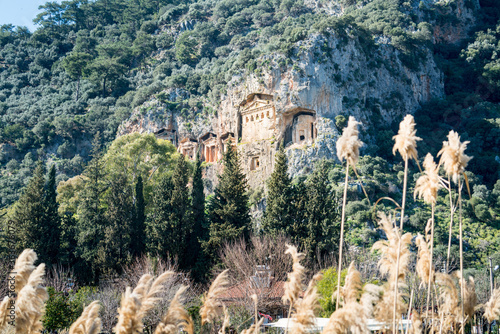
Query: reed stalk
{"points": [[342, 235]]}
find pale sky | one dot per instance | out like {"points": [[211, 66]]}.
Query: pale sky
{"points": [[20, 12]]}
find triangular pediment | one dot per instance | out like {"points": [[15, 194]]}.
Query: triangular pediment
{"points": [[256, 104]]}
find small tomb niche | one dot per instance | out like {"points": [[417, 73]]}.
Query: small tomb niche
{"points": [[188, 147], [300, 127], [208, 144], [227, 139], [254, 163], [167, 134]]}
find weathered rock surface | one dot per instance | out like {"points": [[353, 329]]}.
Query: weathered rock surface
{"points": [[331, 77]]}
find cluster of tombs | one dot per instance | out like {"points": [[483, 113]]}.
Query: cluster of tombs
{"points": [[257, 125]]}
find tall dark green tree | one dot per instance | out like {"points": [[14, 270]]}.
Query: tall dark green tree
{"points": [[119, 216], [29, 213], [158, 221], [278, 216], [91, 224], [322, 223], [138, 228], [228, 209], [180, 224], [199, 227], [51, 225]]}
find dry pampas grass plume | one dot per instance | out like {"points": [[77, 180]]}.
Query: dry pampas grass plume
{"points": [[427, 185], [176, 318], [349, 319], [135, 304], [226, 322], [89, 322], [23, 268], [209, 310], [470, 297], [389, 250], [424, 271], [492, 307], [453, 157], [293, 285], [406, 139], [348, 144], [449, 308], [416, 324], [351, 290], [31, 295], [305, 307]]}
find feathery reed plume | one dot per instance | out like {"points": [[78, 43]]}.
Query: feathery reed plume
{"points": [[209, 310], [4, 312], [349, 319], [389, 249], [176, 318], [306, 306], [449, 308], [406, 139], [226, 321], [293, 285], [492, 307], [30, 303], [427, 185], [470, 297], [24, 267], [416, 324], [135, 304], [454, 160], [348, 144], [347, 148], [424, 270], [351, 290], [406, 145], [89, 322], [370, 298], [453, 157], [394, 262]]}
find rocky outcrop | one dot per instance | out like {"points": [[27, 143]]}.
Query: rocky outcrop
{"points": [[331, 76]]}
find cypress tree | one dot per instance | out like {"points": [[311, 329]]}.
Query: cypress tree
{"points": [[278, 214], [119, 215], [199, 228], [29, 213], [91, 224], [179, 219], [228, 209], [51, 226], [321, 215], [158, 221], [138, 226]]}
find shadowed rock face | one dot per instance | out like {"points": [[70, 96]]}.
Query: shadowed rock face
{"points": [[297, 104]]}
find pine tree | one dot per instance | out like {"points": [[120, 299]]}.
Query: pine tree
{"points": [[51, 225], [91, 224], [228, 209], [278, 214], [138, 225], [29, 213]]}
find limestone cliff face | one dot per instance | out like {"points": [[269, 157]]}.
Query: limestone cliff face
{"points": [[297, 103], [461, 18], [330, 78]]}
